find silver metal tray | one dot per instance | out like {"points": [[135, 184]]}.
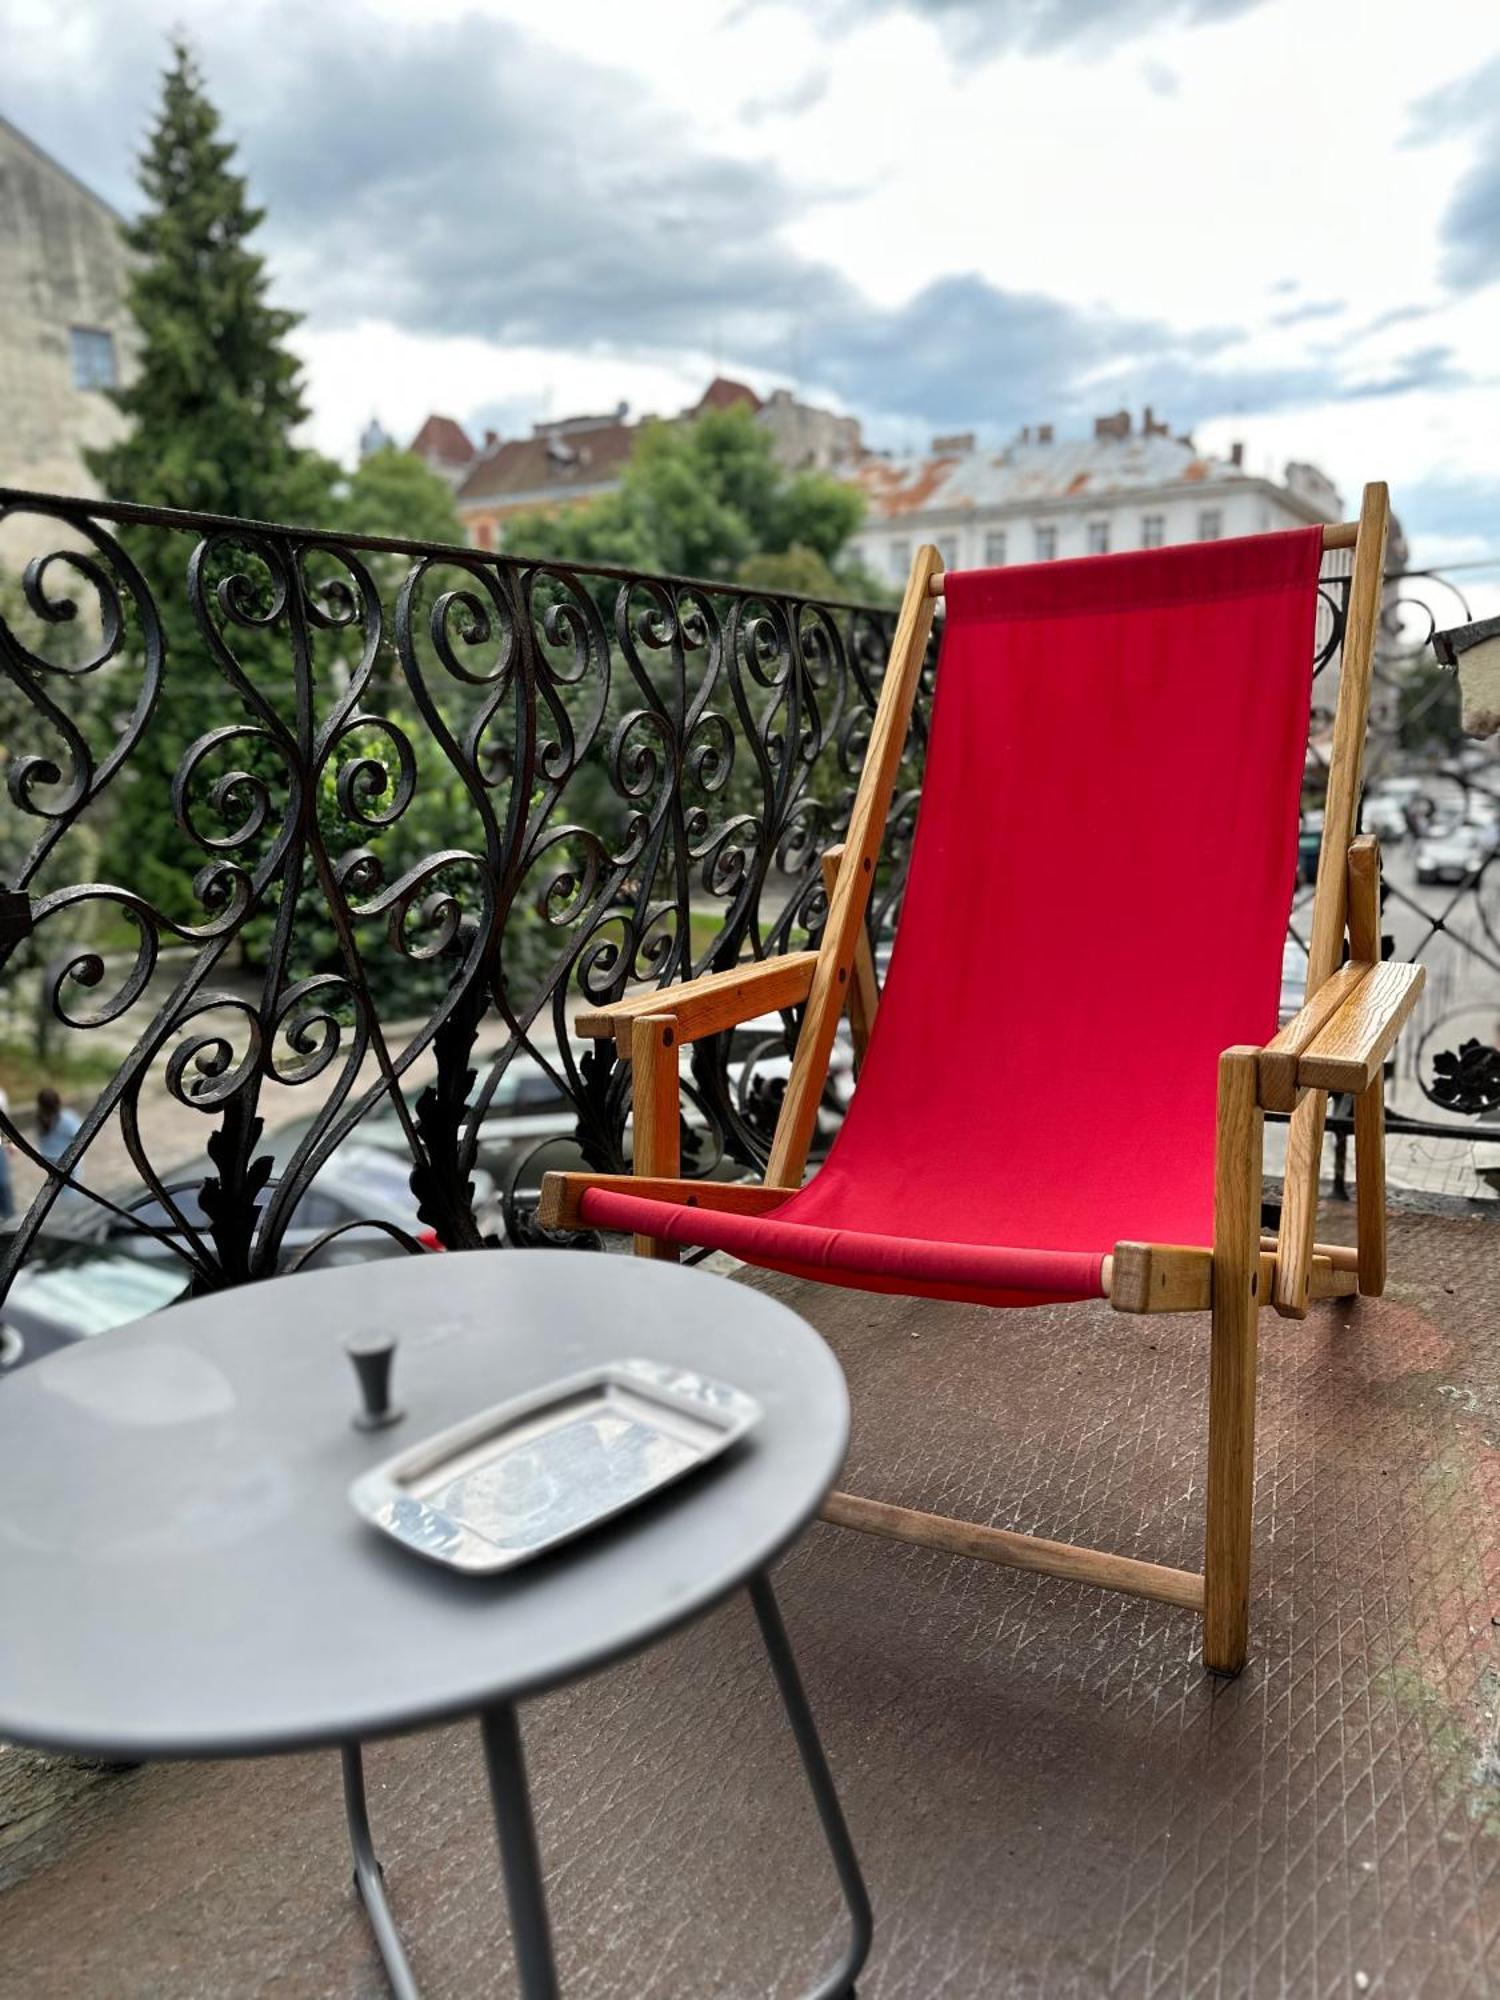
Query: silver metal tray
{"points": [[520, 1478]]}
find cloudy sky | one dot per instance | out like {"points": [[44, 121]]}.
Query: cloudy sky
{"points": [[1273, 220]]}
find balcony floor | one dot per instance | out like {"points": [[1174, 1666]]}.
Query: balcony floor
{"points": [[1049, 1796]]}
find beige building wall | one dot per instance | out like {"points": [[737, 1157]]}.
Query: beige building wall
{"points": [[807, 438], [62, 266]]}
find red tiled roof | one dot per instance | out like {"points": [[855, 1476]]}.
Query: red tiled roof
{"points": [[445, 439], [724, 394]]}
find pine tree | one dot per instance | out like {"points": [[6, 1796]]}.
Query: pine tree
{"points": [[217, 394], [213, 403]]}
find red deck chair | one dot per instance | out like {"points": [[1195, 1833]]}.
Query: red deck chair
{"points": [[1061, 1094]]}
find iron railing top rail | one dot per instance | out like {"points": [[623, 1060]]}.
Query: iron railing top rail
{"points": [[128, 513]]}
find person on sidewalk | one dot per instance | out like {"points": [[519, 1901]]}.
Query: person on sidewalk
{"points": [[55, 1124]]}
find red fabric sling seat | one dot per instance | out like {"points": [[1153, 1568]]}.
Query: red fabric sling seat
{"points": [[1099, 888]]}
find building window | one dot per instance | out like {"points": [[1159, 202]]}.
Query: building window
{"points": [[1046, 544], [994, 549], [92, 353], [1210, 524], [1153, 530], [899, 558], [1098, 538], [953, 547]]}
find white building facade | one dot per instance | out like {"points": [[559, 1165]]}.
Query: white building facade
{"points": [[1042, 499]]}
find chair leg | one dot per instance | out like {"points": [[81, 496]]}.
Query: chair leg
{"points": [[1369, 1186], [1369, 1105], [655, 1113], [1231, 1385]]}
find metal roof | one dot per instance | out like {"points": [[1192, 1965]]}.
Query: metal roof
{"points": [[1028, 474]]}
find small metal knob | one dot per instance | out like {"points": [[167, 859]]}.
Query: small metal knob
{"points": [[373, 1355]]}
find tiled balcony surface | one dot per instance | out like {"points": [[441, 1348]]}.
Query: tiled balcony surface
{"points": [[1049, 1796]]}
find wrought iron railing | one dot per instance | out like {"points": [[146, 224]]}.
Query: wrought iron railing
{"points": [[310, 832]]}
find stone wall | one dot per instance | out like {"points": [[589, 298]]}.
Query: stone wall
{"points": [[62, 265]]}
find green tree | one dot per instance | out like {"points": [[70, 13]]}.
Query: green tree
{"points": [[216, 394], [798, 569], [704, 498], [213, 403], [700, 499], [1428, 707], [393, 493]]}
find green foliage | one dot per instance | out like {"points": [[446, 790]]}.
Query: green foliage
{"points": [[25, 1069], [393, 493], [798, 569], [81, 696], [700, 499], [1428, 706], [213, 404], [706, 498], [216, 394]]}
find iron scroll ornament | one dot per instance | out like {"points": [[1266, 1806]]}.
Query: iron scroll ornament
{"points": [[523, 785]]}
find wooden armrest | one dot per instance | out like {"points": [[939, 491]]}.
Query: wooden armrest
{"points": [[1339, 1040], [707, 1006], [1348, 1051], [1277, 1064]]}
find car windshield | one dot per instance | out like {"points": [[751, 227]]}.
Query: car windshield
{"points": [[364, 1171], [157, 1215], [93, 1291]]}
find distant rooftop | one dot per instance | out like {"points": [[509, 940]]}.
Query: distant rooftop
{"points": [[574, 453], [568, 455], [444, 439], [723, 393], [1038, 469]]}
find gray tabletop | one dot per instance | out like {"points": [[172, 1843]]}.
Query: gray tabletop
{"points": [[181, 1573]]}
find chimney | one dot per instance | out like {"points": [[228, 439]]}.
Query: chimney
{"points": [[1237, 455], [1044, 433], [491, 439], [954, 445], [1149, 426], [1116, 426]]}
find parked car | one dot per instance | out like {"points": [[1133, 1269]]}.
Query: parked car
{"points": [[359, 1185], [1482, 813], [1454, 853], [94, 1270], [68, 1291], [1390, 810], [528, 1107]]}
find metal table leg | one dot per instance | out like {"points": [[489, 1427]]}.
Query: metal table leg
{"points": [[521, 1862], [369, 1878], [519, 1859], [839, 1985]]}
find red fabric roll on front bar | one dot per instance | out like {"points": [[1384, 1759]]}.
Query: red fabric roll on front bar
{"points": [[1099, 888]]}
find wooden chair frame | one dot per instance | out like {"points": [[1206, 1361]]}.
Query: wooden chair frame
{"points": [[1338, 1042]]}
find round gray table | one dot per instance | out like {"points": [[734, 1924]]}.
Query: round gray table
{"points": [[182, 1574]]}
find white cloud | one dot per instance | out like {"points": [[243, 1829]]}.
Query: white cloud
{"points": [[1101, 232], [370, 368]]}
